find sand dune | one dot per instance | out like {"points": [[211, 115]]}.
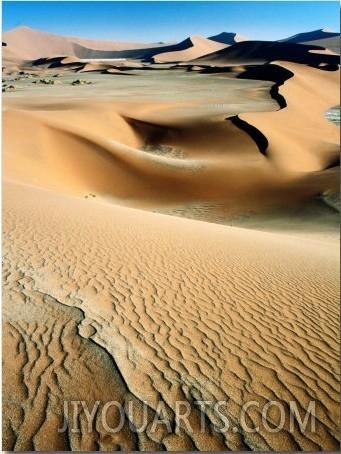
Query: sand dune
{"points": [[324, 38], [30, 44], [318, 151], [258, 52], [82, 64], [311, 36], [25, 44], [228, 38], [193, 47], [202, 312], [255, 145], [106, 298], [330, 44]]}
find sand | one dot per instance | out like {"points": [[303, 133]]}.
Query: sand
{"points": [[32, 44], [171, 236], [195, 47]]}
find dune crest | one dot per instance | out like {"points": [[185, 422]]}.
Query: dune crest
{"points": [[228, 38]]}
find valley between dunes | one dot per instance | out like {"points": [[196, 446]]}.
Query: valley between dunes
{"points": [[171, 236]]}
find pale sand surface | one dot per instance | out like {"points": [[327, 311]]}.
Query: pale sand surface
{"points": [[108, 298]]}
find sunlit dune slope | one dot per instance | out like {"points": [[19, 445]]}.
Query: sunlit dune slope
{"points": [[193, 47], [30, 44]]}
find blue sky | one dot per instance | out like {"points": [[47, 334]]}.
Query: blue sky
{"points": [[166, 21]]}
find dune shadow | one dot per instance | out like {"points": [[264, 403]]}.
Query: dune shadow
{"points": [[272, 73], [333, 164], [268, 51], [151, 133], [256, 135], [325, 67]]}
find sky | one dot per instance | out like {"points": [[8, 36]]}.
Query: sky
{"points": [[171, 21]]}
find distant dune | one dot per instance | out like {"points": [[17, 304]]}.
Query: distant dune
{"points": [[253, 52], [324, 38], [228, 38], [193, 47], [30, 44], [311, 36], [25, 44]]}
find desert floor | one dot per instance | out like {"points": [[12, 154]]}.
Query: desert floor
{"points": [[157, 249]]}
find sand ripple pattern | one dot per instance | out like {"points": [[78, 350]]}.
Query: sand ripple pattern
{"points": [[108, 303]]}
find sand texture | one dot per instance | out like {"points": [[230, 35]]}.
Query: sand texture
{"points": [[171, 235]]}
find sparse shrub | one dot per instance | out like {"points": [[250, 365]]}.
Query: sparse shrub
{"points": [[163, 150], [80, 82], [7, 88], [46, 81]]}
